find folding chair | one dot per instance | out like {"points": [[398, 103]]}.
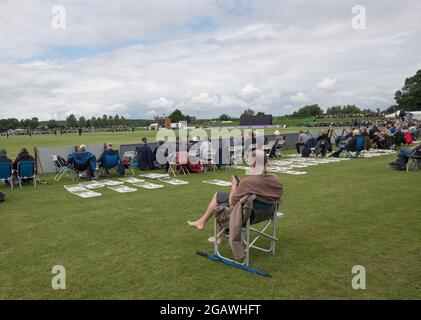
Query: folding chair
{"points": [[358, 150], [26, 170], [269, 146], [6, 172], [236, 157], [413, 162], [177, 163], [110, 162], [129, 161], [208, 162], [62, 169], [265, 213]]}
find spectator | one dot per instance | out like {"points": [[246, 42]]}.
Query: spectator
{"points": [[108, 151], [261, 184], [145, 156], [83, 160], [403, 156], [3, 159], [301, 140]]}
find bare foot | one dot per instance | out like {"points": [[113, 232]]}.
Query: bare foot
{"points": [[196, 224], [212, 240]]}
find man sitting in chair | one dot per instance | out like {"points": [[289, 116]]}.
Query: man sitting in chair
{"points": [[108, 151], [145, 156], [403, 156], [83, 161], [261, 184], [4, 158], [23, 155]]}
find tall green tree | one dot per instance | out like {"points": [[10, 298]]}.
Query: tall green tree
{"points": [[52, 124], [176, 116], [82, 122], [312, 110], [71, 121], [409, 97]]}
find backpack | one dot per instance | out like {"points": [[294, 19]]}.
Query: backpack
{"points": [[2, 197]]}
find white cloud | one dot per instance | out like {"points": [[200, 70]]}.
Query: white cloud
{"points": [[277, 57], [326, 83], [300, 97]]}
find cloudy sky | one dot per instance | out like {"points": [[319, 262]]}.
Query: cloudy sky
{"points": [[142, 58]]}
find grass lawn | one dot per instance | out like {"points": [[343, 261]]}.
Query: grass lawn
{"points": [[138, 245]]}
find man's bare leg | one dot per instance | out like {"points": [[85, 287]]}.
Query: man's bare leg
{"points": [[200, 224]]}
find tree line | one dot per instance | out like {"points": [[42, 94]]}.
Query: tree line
{"points": [[96, 122], [13, 123]]}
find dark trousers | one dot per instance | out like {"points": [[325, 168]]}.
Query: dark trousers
{"points": [[298, 145]]}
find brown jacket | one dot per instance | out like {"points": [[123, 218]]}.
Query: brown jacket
{"points": [[234, 218]]}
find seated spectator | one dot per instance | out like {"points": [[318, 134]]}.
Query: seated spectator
{"points": [[408, 136], [4, 158], [398, 137], [108, 151], [323, 145], [301, 140], [261, 184], [324, 136], [83, 160], [23, 156], [367, 142], [350, 145], [145, 156], [403, 156]]}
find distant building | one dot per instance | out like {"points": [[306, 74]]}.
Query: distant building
{"points": [[153, 126], [164, 122], [258, 120]]}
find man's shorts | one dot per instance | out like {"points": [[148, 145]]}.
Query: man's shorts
{"points": [[222, 198], [222, 212]]}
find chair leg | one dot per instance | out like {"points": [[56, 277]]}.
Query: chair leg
{"points": [[247, 253]]}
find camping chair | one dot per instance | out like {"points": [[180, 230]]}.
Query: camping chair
{"points": [[358, 150], [26, 170], [271, 145], [208, 162], [6, 172], [413, 161], [80, 164], [110, 162], [265, 213], [309, 148], [236, 157], [129, 161], [61, 168]]}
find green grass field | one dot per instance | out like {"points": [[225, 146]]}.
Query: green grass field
{"points": [[138, 245]]}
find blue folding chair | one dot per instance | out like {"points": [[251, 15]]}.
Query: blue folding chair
{"points": [[109, 162], [6, 172], [358, 150], [26, 170]]}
